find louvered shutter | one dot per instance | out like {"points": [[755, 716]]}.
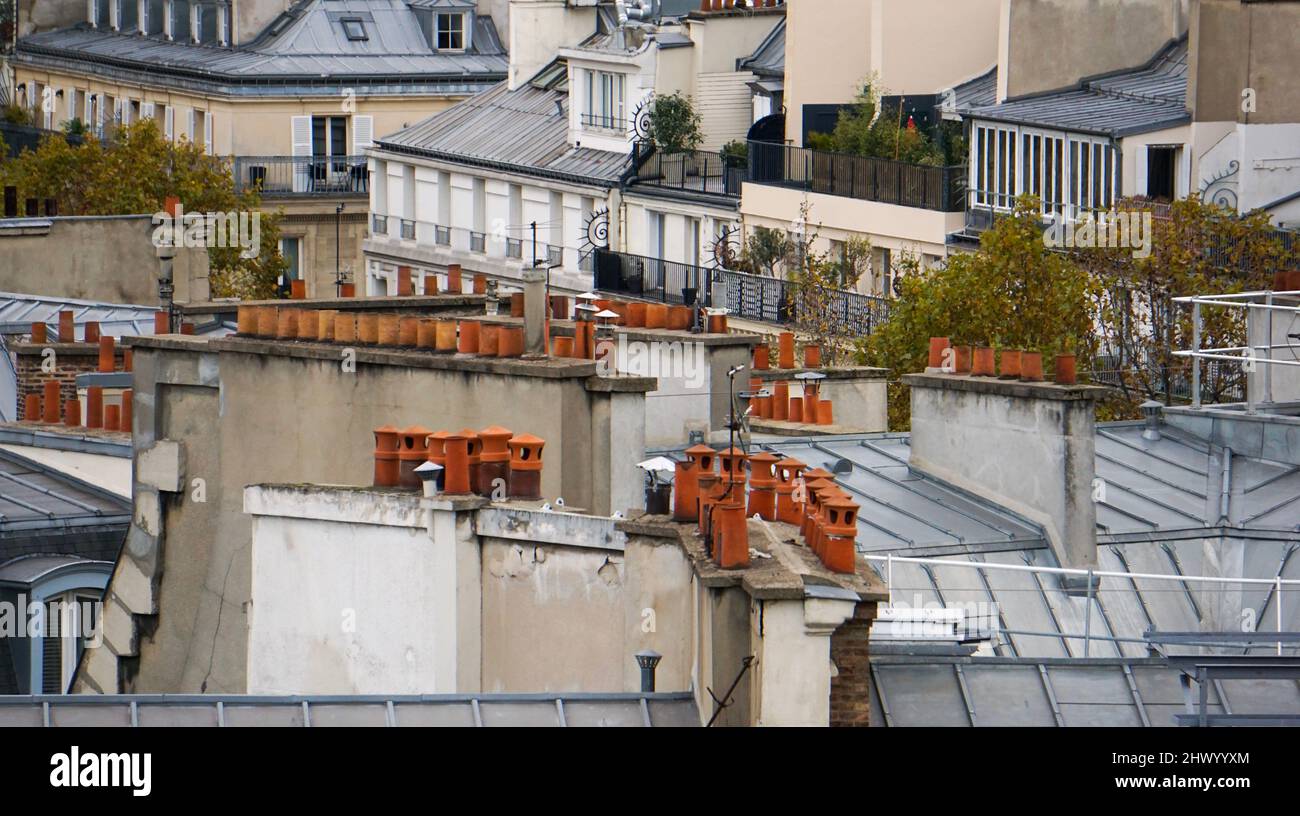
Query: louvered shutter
{"points": [[207, 131], [363, 133]]}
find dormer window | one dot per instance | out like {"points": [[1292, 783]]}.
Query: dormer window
{"points": [[354, 29], [605, 101], [449, 31]]}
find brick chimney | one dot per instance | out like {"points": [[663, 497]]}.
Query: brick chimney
{"points": [[1027, 446]]}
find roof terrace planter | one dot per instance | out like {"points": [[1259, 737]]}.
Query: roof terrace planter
{"points": [[862, 177]]}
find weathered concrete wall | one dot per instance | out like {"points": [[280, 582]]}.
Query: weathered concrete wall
{"points": [[1238, 45], [363, 591], [1051, 44], [1028, 447], [327, 616], [240, 418], [110, 258]]}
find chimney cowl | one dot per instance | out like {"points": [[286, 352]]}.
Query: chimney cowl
{"points": [[1153, 413]]}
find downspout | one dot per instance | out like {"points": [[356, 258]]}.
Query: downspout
{"points": [[1224, 494]]}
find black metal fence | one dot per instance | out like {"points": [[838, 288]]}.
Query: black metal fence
{"points": [[303, 175], [694, 171], [753, 297], [774, 300], [28, 137], [863, 177], [651, 278]]}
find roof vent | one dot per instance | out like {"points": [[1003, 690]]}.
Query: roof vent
{"points": [[1151, 412]]}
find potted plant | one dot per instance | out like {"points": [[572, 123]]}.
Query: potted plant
{"points": [[675, 132]]}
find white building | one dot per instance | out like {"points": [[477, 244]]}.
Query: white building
{"points": [[541, 170]]}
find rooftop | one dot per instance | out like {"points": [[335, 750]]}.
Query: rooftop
{"points": [[525, 130], [226, 711], [1138, 100], [309, 47]]}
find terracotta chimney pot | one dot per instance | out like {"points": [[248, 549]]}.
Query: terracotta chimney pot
{"points": [[456, 476], [825, 414], [368, 328], [526, 466], [72, 412], [128, 409], [112, 417], [982, 362], [50, 401], [390, 330], [762, 357], [1010, 364], [962, 359], [325, 324], [444, 333], [488, 339], [413, 452], [246, 321], [1065, 370], [469, 337], [1031, 366], [453, 280], [494, 462], [345, 327], [94, 407], [39, 333], [68, 329], [32, 408], [938, 345], [408, 332], [812, 355], [286, 327], [387, 448], [781, 400], [298, 289], [107, 357], [785, 350], [636, 313]]}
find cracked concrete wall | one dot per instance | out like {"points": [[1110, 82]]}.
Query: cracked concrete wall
{"points": [[240, 419]]}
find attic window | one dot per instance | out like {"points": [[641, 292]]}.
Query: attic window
{"points": [[354, 28], [450, 32]]}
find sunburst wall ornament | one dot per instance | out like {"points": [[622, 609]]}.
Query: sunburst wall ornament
{"points": [[596, 233], [641, 118], [726, 248]]}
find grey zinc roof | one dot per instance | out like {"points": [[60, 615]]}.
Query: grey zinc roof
{"points": [[311, 49], [768, 60], [954, 691], [480, 710], [977, 91], [19, 311], [1151, 97], [520, 130], [35, 498]]}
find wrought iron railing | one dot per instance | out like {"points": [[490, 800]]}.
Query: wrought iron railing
{"points": [[862, 177], [776, 300], [650, 278], [693, 171], [753, 297], [303, 175]]}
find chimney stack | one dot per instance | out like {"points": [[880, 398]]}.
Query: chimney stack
{"points": [[534, 313], [1026, 446]]}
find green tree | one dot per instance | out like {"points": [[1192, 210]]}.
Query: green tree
{"points": [[134, 171], [1013, 292], [674, 124], [864, 129], [1196, 248]]}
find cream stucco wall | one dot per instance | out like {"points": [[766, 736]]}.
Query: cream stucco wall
{"points": [[911, 46]]}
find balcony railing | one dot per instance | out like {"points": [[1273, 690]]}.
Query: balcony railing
{"points": [[694, 171], [650, 278], [754, 297], [861, 177], [303, 175]]}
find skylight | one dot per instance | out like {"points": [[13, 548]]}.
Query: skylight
{"points": [[354, 28]]}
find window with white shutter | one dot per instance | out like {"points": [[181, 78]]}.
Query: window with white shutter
{"points": [[169, 122], [363, 132], [300, 138], [207, 131], [191, 126]]}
